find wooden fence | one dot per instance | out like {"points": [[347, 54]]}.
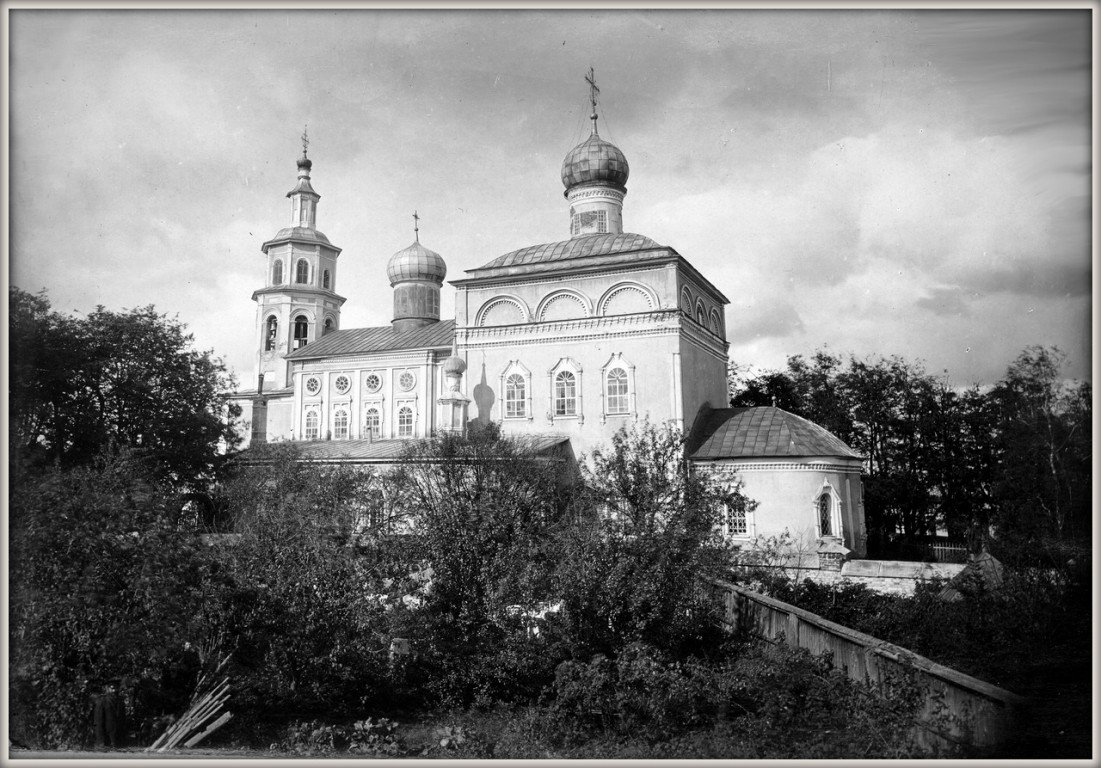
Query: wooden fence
{"points": [[959, 710]]}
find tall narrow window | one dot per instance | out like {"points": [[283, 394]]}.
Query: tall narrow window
{"points": [[617, 401], [313, 425], [325, 279], [271, 334], [302, 272], [515, 397], [565, 394], [340, 425], [405, 421], [301, 331], [277, 272], [825, 515], [372, 423]]}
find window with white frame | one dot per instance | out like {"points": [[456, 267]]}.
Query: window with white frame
{"points": [[302, 272], [313, 425], [617, 399], [565, 393], [340, 424], [372, 423], [735, 520], [405, 421], [516, 396]]}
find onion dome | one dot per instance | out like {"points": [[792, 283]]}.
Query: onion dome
{"points": [[416, 263], [453, 366], [595, 161]]}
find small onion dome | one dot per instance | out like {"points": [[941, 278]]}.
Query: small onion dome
{"points": [[595, 160], [304, 162], [453, 366], [416, 263]]}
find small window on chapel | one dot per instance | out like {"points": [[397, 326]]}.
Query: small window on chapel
{"points": [[325, 279], [302, 272], [328, 326], [277, 272], [825, 515]]}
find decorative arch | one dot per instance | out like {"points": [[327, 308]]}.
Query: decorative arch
{"points": [[701, 313], [717, 324], [627, 298], [564, 304], [686, 301], [502, 310], [329, 325]]}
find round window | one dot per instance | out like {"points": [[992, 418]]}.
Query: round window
{"points": [[342, 384], [407, 380], [313, 384], [372, 382]]}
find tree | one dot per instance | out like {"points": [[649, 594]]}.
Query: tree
{"points": [[629, 573], [1042, 481], [82, 386], [103, 586], [482, 511]]}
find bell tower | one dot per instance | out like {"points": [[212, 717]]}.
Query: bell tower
{"points": [[298, 303]]}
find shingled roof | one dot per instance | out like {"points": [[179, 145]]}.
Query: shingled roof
{"points": [[575, 248], [355, 341], [761, 432]]}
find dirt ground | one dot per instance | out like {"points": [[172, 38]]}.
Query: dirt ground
{"points": [[184, 756]]}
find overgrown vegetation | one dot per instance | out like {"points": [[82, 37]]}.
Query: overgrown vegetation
{"points": [[1005, 467], [478, 601]]}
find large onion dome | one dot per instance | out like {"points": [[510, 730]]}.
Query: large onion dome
{"points": [[595, 161], [416, 263]]}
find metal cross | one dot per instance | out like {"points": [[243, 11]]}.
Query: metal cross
{"points": [[593, 91], [416, 229], [305, 139]]}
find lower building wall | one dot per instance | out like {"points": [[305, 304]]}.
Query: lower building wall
{"points": [[787, 493]]}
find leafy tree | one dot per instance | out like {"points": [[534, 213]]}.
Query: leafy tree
{"points": [[103, 586], [1043, 478], [82, 386], [629, 573], [291, 595]]}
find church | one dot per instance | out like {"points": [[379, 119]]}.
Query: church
{"points": [[564, 342]]}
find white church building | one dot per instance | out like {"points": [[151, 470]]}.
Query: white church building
{"points": [[566, 342]]}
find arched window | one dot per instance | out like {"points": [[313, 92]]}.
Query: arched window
{"points": [[565, 394], [405, 421], [372, 423], [302, 272], [825, 514], [617, 399], [325, 279], [340, 424], [735, 520], [313, 425], [271, 333], [516, 397], [301, 331], [328, 326], [277, 272]]}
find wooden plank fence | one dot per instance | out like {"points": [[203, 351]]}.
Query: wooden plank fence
{"points": [[959, 710]]}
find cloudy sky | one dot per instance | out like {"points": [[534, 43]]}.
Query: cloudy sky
{"points": [[872, 181]]}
